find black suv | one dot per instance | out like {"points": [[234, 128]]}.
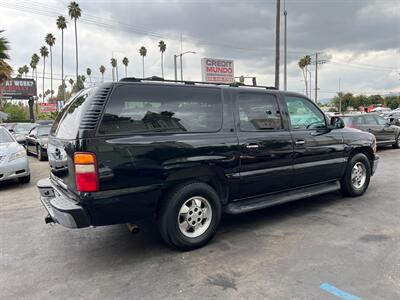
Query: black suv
{"points": [[184, 152]]}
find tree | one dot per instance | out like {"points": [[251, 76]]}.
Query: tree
{"points": [[125, 62], [71, 82], [114, 65], [25, 70], [34, 61], [143, 53], [74, 12], [44, 53], [163, 47], [62, 24], [89, 73], [5, 68], [102, 69], [79, 84], [303, 63], [50, 40], [15, 112], [20, 71]]}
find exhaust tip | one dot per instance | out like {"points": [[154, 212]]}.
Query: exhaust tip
{"points": [[48, 219], [133, 228]]}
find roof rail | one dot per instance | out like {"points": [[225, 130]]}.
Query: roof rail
{"points": [[156, 78]]}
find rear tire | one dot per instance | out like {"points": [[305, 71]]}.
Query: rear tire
{"points": [[396, 144], [357, 176], [189, 215], [24, 179]]}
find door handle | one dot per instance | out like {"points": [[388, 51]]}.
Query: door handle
{"points": [[252, 146], [300, 142]]}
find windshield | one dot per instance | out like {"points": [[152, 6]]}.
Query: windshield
{"points": [[43, 131], [347, 120], [23, 128], [5, 137]]}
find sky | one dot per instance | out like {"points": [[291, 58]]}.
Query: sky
{"points": [[359, 40]]}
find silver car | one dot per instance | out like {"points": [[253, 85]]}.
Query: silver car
{"points": [[13, 159]]}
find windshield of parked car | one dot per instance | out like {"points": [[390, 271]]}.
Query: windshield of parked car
{"points": [[23, 127], [347, 120], [5, 137], [43, 131]]}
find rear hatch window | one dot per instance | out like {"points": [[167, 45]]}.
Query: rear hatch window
{"points": [[66, 125]]}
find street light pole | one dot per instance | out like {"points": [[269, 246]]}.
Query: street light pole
{"points": [[175, 68], [285, 48], [181, 67], [180, 58], [277, 42]]}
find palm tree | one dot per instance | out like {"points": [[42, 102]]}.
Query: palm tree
{"points": [[163, 47], [114, 65], [125, 61], [34, 62], [50, 40], [62, 24], [44, 53], [74, 12], [5, 68], [303, 63], [102, 70], [89, 72], [20, 71], [143, 53], [25, 69]]}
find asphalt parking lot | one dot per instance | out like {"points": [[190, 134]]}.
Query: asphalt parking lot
{"points": [[284, 252]]}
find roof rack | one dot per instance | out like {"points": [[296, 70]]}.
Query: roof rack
{"points": [[156, 78]]}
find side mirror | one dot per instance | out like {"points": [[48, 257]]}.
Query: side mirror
{"points": [[336, 123]]}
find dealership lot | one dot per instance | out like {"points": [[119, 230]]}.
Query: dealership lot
{"points": [[285, 252]]}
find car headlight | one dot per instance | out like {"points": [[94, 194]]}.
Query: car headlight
{"points": [[16, 155], [44, 146]]}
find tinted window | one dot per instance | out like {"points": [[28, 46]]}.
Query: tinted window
{"points": [[67, 123], [304, 114], [381, 121], [134, 108], [258, 112], [370, 120], [5, 137]]}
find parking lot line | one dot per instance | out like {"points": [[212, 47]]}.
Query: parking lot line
{"points": [[339, 293]]}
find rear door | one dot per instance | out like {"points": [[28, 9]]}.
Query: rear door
{"points": [[266, 146], [371, 125], [318, 152]]}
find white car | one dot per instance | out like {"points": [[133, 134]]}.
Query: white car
{"points": [[13, 159]]}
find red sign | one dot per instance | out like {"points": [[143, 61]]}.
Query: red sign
{"points": [[47, 107]]}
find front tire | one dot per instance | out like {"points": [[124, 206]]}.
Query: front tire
{"points": [[24, 179], [189, 215], [357, 176]]}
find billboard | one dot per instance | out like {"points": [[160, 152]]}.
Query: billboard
{"points": [[47, 107], [217, 70], [18, 88]]}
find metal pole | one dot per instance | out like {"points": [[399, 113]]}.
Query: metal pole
{"points": [[285, 49], [316, 78], [181, 67], [277, 42], [175, 68]]}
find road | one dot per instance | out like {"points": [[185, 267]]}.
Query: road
{"points": [[284, 252]]}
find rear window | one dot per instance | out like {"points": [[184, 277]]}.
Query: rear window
{"points": [[146, 109], [67, 122]]}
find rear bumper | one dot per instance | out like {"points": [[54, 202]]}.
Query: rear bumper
{"points": [[61, 209]]}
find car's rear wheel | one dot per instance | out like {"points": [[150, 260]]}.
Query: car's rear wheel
{"points": [[39, 152], [396, 144], [24, 179], [189, 215], [357, 176]]}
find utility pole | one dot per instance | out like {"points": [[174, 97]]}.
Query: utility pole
{"points": [[285, 47], [277, 42], [340, 99], [316, 78], [175, 68]]}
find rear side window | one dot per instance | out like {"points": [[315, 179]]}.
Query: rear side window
{"points": [[66, 125], [258, 112], [347, 121], [146, 109], [370, 120]]}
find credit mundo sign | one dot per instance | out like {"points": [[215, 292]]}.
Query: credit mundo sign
{"points": [[217, 70]]}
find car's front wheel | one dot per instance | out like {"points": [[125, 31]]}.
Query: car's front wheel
{"points": [[189, 215], [357, 176], [24, 179]]}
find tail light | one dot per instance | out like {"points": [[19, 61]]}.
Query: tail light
{"points": [[87, 177]]}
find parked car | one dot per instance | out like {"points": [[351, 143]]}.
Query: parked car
{"points": [[183, 153], [386, 133], [36, 141], [9, 126], [13, 160], [21, 130]]}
